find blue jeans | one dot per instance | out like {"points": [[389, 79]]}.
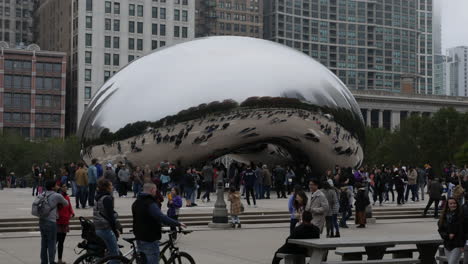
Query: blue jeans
{"points": [[136, 189], [266, 190], [150, 249], [73, 187], [92, 193], [110, 240], [48, 239], [259, 190], [81, 196]]}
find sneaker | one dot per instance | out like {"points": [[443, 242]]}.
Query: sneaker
{"points": [[255, 206], [239, 225]]}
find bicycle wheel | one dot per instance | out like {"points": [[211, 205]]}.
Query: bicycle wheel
{"points": [[181, 258], [88, 258], [163, 259], [114, 259]]}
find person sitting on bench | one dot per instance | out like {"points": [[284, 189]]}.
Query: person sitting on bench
{"points": [[305, 230]]}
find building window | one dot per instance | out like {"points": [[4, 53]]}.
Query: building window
{"points": [[184, 2], [131, 26], [89, 5], [106, 75], [116, 59], [184, 15], [116, 43], [88, 40], [18, 65], [117, 8], [116, 25], [131, 58], [154, 29], [87, 92], [139, 44], [176, 14], [154, 12], [131, 10], [107, 24], [107, 7], [140, 10], [88, 75], [89, 22], [131, 43], [140, 27], [154, 44], [176, 31], [162, 14], [17, 82], [162, 30], [184, 32], [162, 43], [107, 59], [88, 57], [107, 42]]}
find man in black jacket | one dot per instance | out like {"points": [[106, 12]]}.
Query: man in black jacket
{"points": [[147, 220], [306, 230]]}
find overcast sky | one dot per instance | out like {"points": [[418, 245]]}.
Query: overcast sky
{"points": [[454, 23]]}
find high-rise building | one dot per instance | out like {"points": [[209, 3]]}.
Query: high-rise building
{"points": [[229, 17], [456, 71], [16, 21], [32, 92], [104, 36], [368, 44]]}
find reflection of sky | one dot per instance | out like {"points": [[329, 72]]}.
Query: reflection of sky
{"points": [[215, 69]]}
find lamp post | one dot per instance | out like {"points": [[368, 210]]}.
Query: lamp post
{"points": [[220, 213]]}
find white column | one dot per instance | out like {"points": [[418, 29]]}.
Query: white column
{"points": [[368, 117], [380, 118], [394, 120]]}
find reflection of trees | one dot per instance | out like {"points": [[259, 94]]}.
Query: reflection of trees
{"points": [[344, 117]]}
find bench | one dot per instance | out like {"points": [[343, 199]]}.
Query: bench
{"points": [[377, 261], [291, 258], [356, 254]]}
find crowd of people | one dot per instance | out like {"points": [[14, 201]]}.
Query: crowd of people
{"points": [[316, 202]]}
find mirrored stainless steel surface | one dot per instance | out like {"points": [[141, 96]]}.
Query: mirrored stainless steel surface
{"points": [[199, 100]]}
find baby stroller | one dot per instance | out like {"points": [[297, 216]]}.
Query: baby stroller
{"points": [[92, 244]]}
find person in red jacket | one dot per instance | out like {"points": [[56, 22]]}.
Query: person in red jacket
{"points": [[64, 214]]}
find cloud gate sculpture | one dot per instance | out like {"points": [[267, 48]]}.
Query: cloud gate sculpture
{"points": [[251, 99]]}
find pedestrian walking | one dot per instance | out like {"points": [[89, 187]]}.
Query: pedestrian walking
{"points": [[63, 222], [451, 230], [345, 207], [361, 203], [249, 180], [92, 181], [207, 174], [435, 194], [81, 178]]}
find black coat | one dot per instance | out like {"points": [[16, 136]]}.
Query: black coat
{"points": [[453, 224], [362, 200]]}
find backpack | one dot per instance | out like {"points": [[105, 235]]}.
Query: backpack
{"points": [[41, 207], [88, 232]]}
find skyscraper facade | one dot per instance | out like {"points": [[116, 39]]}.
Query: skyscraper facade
{"points": [[368, 44], [105, 36], [456, 71], [229, 17], [16, 21]]}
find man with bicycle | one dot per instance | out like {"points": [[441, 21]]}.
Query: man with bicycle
{"points": [[147, 221]]}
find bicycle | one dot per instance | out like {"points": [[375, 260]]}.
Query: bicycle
{"points": [[133, 256], [92, 244]]}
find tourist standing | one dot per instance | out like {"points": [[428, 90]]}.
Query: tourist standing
{"points": [[266, 181], [189, 182], [361, 203], [63, 221], [451, 231], [36, 175], [399, 187], [293, 210], [249, 181], [236, 207], [435, 194], [317, 205], [71, 177], [92, 180], [137, 178], [290, 179], [124, 178], [105, 218], [379, 186], [259, 182], [207, 174], [412, 185], [421, 181], [174, 204], [110, 175], [48, 222], [330, 194], [279, 175], [345, 207], [81, 178]]}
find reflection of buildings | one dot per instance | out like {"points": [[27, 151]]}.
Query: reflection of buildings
{"points": [[385, 109], [107, 35], [32, 93], [225, 17], [367, 44], [16, 21], [456, 71]]}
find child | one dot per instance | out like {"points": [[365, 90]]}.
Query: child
{"points": [[236, 206], [174, 204], [361, 203]]}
